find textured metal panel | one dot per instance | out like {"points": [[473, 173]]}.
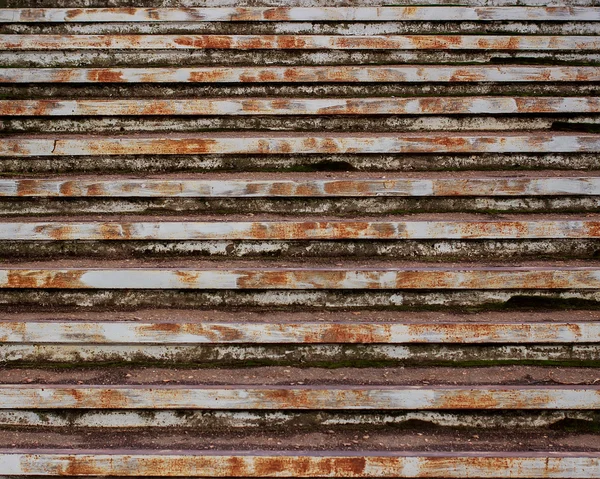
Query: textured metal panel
{"points": [[121, 332], [303, 106], [278, 14], [450, 465], [301, 144], [242, 188], [296, 278], [304, 74], [296, 230]]}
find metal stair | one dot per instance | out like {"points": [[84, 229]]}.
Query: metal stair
{"points": [[319, 239]]}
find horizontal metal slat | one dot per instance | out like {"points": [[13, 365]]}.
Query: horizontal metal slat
{"points": [[302, 106], [296, 278], [301, 42], [298, 230], [244, 188], [275, 14], [295, 143], [292, 397], [298, 74], [307, 464], [122, 332]]}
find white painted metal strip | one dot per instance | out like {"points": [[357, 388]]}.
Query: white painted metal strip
{"points": [[242, 188], [298, 42], [304, 464], [300, 144], [297, 278], [126, 332], [299, 14], [302, 106], [298, 230], [300, 74], [291, 397]]}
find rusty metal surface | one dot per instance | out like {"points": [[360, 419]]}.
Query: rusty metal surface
{"points": [[303, 106], [301, 464], [299, 230], [482, 278], [280, 14], [241, 188], [288, 143], [269, 84], [302, 42], [123, 332], [303, 397], [300, 74]]}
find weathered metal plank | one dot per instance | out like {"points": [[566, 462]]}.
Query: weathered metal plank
{"points": [[302, 464], [298, 230], [299, 74], [299, 42], [121, 332], [298, 143], [302, 106], [299, 14], [242, 188], [292, 397], [304, 278]]}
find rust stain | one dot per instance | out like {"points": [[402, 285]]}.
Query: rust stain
{"points": [[472, 400], [290, 398], [112, 399], [207, 75], [57, 232], [173, 328], [455, 333], [103, 75], [187, 277], [50, 279], [81, 466], [227, 333], [304, 467], [116, 231], [363, 333], [28, 188]]}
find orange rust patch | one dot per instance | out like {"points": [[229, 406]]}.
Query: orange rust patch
{"points": [[165, 327], [57, 232], [475, 400], [27, 187], [279, 13], [80, 466], [105, 76], [113, 399], [187, 277], [288, 398], [466, 75], [96, 189], [337, 333], [227, 333], [119, 231], [34, 279], [267, 76], [173, 147], [290, 42]]}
